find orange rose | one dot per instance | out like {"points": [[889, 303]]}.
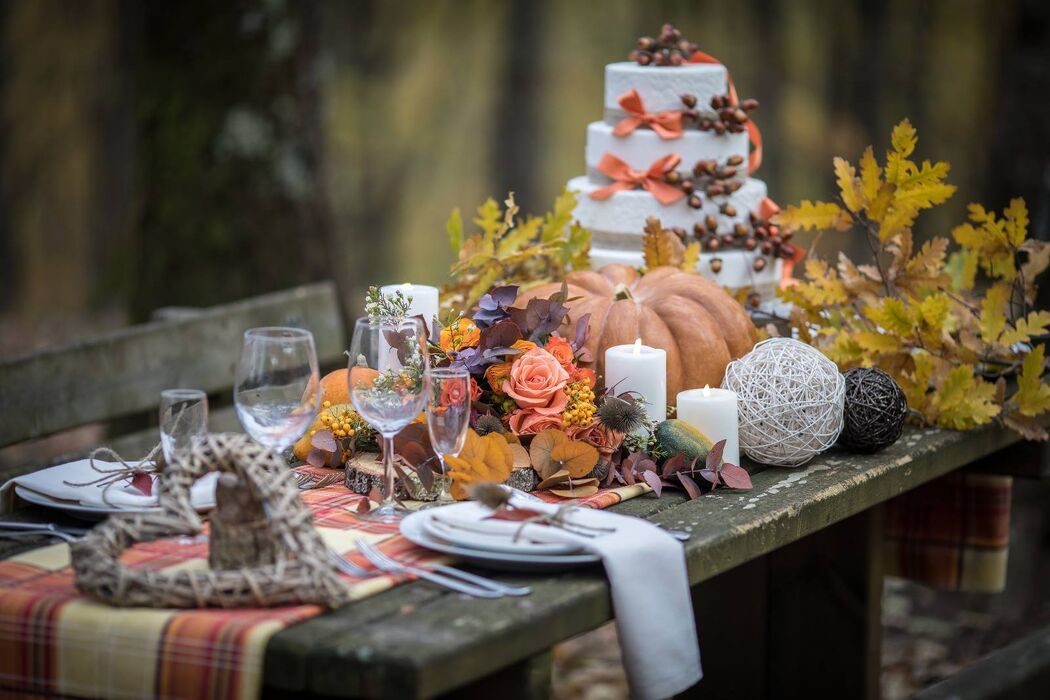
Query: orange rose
{"points": [[525, 421], [475, 390], [562, 351], [597, 435], [523, 345], [453, 392], [464, 333], [586, 375], [536, 381], [495, 375]]}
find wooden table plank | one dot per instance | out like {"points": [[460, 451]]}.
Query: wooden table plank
{"points": [[418, 642]]}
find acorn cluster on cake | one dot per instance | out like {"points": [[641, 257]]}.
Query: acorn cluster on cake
{"points": [[678, 144]]}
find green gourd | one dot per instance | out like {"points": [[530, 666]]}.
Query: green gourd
{"points": [[676, 436]]}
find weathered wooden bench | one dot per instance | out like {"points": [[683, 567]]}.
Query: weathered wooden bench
{"points": [[115, 379], [788, 577]]}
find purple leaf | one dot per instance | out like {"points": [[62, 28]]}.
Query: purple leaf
{"points": [[710, 475], [735, 477], [501, 335], [689, 485], [142, 482], [675, 464], [581, 331], [324, 440], [317, 458], [628, 476], [714, 457], [492, 307], [653, 479]]}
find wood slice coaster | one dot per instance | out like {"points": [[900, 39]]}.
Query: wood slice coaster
{"points": [[365, 472]]}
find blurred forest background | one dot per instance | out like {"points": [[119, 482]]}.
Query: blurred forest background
{"points": [[194, 152]]}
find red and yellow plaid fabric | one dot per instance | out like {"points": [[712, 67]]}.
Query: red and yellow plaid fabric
{"points": [[56, 643], [952, 533]]}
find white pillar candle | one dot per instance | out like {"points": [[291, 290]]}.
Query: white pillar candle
{"points": [[641, 369], [424, 300], [713, 412]]}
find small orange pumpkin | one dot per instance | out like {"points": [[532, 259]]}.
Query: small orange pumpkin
{"points": [[694, 320]]}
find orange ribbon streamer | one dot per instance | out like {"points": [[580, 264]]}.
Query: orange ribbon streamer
{"points": [[755, 158], [627, 178], [668, 125]]}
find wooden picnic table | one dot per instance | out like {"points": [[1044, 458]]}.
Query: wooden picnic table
{"points": [[787, 576]]}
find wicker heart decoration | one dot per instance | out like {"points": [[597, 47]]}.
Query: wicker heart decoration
{"points": [[298, 570]]}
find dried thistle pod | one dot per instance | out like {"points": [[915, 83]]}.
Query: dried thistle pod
{"points": [[727, 172], [716, 265], [689, 101], [728, 209], [644, 58], [759, 264], [727, 239], [766, 248], [698, 230], [750, 243], [740, 230], [695, 202], [711, 222], [687, 186], [713, 244], [690, 115], [719, 127], [735, 159]]}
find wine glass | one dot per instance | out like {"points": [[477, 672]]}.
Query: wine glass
{"points": [[183, 419], [448, 417], [387, 381], [276, 386]]}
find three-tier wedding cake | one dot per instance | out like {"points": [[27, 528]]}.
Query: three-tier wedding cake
{"points": [[676, 143]]}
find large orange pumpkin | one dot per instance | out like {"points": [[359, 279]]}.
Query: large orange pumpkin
{"points": [[693, 319]]}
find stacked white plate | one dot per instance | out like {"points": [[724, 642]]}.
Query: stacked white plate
{"points": [[67, 487], [450, 529]]}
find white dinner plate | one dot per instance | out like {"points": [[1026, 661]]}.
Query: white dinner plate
{"points": [[84, 512], [412, 529], [444, 524]]}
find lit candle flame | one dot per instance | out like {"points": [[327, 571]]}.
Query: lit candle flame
{"points": [[407, 285], [707, 390], [638, 346]]}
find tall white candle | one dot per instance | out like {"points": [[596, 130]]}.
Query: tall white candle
{"points": [[641, 369], [713, 412], [424, 300]]}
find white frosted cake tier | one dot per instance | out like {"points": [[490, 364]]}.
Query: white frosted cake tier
{"points": [[661, 87], [625, 212], [736, 273], [643, 146]]}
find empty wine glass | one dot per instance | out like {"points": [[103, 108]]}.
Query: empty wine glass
{"points": [[183, 418], [387, 378], [448, 417], [276, 386]]}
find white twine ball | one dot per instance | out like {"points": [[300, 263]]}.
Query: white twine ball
{"points": [[789, 401]]}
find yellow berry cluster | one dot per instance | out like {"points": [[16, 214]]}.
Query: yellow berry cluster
{"points": [[343, 423], [580, 409]]}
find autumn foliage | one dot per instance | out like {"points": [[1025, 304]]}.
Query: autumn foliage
{"points": [[955, 328]]}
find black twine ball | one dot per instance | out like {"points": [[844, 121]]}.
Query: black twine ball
{"points": [[875, 409]]}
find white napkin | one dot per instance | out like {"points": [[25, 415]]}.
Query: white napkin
{"points": [[51, 482], [660, 648]]}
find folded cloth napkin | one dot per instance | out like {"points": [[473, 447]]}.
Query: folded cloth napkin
{"points": [[660, 648], [52, 482]]}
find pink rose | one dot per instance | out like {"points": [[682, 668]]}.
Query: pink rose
{"points": [[597, 435], [526, 421], [536, 381]]}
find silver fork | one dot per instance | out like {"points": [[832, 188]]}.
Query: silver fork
{"points": [[349, 567], [506, 589], [493, 589]]}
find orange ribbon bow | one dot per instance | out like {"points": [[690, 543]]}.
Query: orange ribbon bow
{"points": [[627, 178], [668, 125], [755, 158]]}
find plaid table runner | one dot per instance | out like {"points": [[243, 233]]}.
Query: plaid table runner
{"points": [[56, 643], [952, 533]]}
